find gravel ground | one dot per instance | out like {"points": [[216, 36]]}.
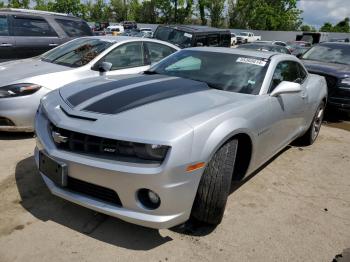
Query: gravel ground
{"points": [[296, 208]]}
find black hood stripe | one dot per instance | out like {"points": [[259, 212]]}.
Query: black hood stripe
{"points": [[145, 94], [89, 93]]}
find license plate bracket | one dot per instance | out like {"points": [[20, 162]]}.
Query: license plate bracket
{"points": [[55, 171]]}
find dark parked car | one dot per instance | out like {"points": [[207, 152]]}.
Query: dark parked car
{"points": [[129, 25], [28, 33], [332, 60], [190, 36], [266, 47]]}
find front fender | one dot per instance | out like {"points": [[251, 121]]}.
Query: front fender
{"points": [[207, 140]]}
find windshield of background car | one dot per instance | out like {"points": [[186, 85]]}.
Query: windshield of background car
{"points": [[243, 34], [223, 71], [174, 36], [339, 54], [76, 53]]}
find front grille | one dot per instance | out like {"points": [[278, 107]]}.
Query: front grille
{"points": [[96, 146], [95, 191], [6, 122]]}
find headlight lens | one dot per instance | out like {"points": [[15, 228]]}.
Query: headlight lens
{"points": [[15, 90], [345, 81], [150, 152]]}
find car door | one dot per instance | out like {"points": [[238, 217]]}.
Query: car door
{"points": [[6, 40], [287, 110], [127, 58], [154, 52], [33, 35]]}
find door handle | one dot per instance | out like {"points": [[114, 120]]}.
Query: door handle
{"points": [[52, 44], [5, 45]]}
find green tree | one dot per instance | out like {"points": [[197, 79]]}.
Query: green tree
{"points": [[327, 27], [118, 10], [73, 7], [307, 28], [343, 26], [266, 14], [174, 11], [19, 3], [202, 5], [215, 10], [41, 5], [148, 12], [98, 11], [2, 4]]}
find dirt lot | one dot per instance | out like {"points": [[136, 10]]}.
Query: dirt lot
{"points": [[297, 208]]}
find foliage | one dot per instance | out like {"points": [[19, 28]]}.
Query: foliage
{"points": [[2, 4], [341, 27], [265, 14], [215, 9], [19, 3], [327, 27], [307, 28], [250, 14]]}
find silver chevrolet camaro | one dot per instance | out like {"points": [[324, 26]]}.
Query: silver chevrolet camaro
{"points": [[24, 82], [158, 148]]}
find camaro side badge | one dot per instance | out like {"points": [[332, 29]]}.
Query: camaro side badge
{"points": [[58, 138]]}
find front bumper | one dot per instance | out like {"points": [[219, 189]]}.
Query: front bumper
{"points": [[20, 111], [339, 103], [176, 188]]}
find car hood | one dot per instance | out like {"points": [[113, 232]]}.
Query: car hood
{"points": [[323, 68], [144, 103], [16, 71]]}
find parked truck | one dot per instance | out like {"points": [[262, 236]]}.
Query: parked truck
{"points": [[247, 37]]}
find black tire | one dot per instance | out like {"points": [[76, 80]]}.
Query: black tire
{"points": [[214, 187], [312, 133]]}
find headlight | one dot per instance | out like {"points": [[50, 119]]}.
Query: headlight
{"points": [[150, 152], [345, 81], [18, 90]]}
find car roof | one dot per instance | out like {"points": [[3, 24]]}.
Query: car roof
{"points": [[33, 12], [195, 28], [237, 51], [119, 38]]}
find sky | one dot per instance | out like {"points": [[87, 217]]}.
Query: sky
{"points": [[317, 12]]}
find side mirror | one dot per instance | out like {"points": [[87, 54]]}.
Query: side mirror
{"points": [[286, 87], [104, 67]]}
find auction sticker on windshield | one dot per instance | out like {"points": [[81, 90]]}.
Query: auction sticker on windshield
{"points": [[252, 61]]}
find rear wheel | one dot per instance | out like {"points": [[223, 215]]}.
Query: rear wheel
{"points": [[214, 187], [312, 133]]}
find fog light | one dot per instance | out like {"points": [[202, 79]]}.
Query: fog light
{"points": [[148, 198]]}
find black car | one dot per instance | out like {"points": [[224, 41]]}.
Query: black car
{"points": [[332, 60], [128, 25], [189, 36], [28, 33], [266, 47]]}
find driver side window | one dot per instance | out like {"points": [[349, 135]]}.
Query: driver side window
{"points": [[126, 56], [285, 71]]}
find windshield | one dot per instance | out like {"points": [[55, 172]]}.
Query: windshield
{"points": [[223, 71], [178, 38], [243, 34], [339, 54], [76, 53]]}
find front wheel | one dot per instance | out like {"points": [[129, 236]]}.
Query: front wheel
{"points": [[312, 133], [214, 187]]}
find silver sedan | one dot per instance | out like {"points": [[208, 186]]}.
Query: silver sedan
{"points": [[159, 148], [24, 82]]}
